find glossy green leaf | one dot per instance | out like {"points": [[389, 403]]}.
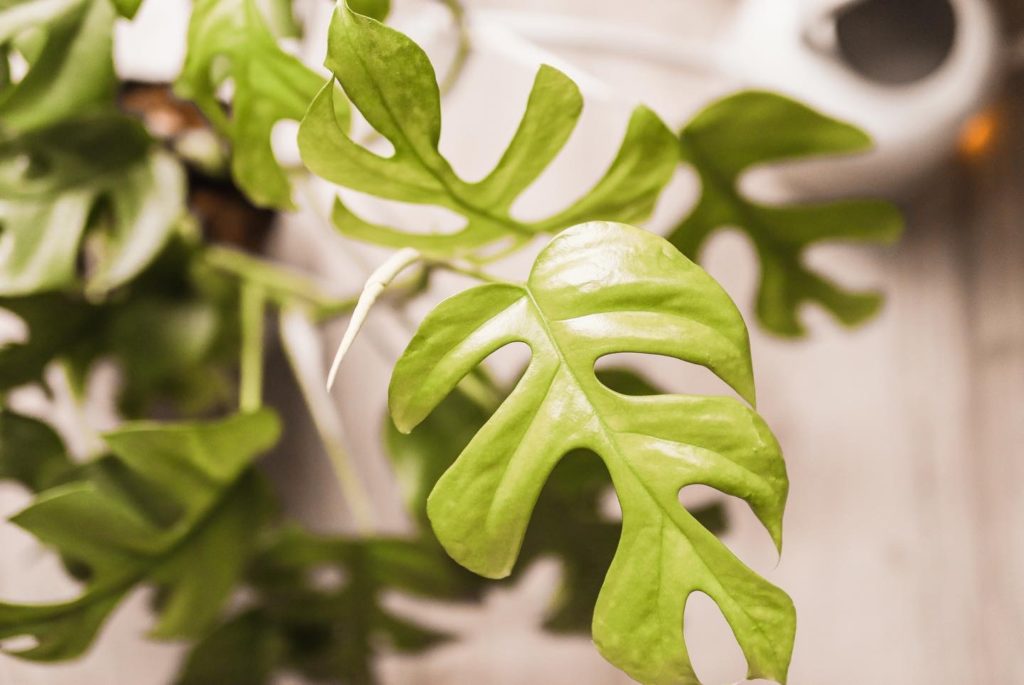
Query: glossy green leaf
{"points": [[195, 561], [391, 81], [599, 289], [568, 522], [753, 128], [230, 40], [71, 68], [96, 175]]}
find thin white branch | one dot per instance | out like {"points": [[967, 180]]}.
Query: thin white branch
{"points": [[375, 285]]}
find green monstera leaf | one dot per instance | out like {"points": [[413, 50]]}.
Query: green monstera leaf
{"points": [[95, 182], [390, 80], [569, 523], [192, 541], [317, 610], [753, 128], [67, 45], [599, 289], [231, 39]]}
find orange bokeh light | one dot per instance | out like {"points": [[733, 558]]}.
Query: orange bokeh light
{"points": [[979, 133]]}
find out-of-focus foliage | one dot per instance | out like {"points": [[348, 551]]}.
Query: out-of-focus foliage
{"points": [[82, 184], [316, 608], [66, 45], [183, 516], [753, 128], [31, 452], [72, 169], [231, 42], [173, 333]]}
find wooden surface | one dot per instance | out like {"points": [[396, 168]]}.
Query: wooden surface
{"points": [[905, 443]]}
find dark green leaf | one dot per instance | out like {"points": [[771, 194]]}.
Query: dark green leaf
{"points": [[31, 452], [196, 560], [245, 650], [55, 323], [173, 332], [323, 596]]}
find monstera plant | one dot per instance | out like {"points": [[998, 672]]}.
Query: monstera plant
{"points": [[122, 241]]}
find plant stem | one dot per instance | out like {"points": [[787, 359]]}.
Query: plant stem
{"points": [[466, 270], [462, 49], [279, 284], [253, 306]]}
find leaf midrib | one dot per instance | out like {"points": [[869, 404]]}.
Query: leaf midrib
{"points": [[470, 209]]}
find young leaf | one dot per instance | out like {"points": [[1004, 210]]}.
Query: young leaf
{"points": [[71, 68], [195, 561], [595, 290], [752, 128], [230, 39], [94, 172], [390, 80]]}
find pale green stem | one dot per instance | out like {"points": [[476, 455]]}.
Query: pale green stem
{"points": [[253, 305], [462, 49], [466, 270], [279, 284]]}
